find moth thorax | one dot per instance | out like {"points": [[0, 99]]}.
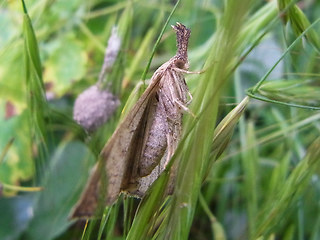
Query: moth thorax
{"points": [[182, 63]]}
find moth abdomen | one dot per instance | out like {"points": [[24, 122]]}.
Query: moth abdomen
{"points": [[156, 142], [151, 157]]}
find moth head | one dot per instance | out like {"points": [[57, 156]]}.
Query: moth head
{"points": [[181, 63], [182, 31], [183, 35]]}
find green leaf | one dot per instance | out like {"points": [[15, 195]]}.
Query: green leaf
{"points": [[63, 183], [18, 164], [11, 74], [66, 64], [8, 28], [15, 215]]}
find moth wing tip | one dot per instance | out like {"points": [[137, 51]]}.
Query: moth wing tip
{"points": [[78, 215]]}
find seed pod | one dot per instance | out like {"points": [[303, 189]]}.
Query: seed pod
{"points": [[111, 54], [93, 107]]}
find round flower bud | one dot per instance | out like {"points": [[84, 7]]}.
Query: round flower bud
{"points": [[93, 107]]}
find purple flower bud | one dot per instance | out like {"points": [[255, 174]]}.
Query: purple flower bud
{"points": [[93, 107]]}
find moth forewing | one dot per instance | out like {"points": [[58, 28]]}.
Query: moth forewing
{"points": [[144, 142], [114, 159], [154, 142]]}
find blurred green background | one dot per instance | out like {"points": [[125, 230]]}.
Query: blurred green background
{"points": [[265, 185]]}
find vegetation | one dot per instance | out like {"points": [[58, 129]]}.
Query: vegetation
{"points": [[248, 160]]}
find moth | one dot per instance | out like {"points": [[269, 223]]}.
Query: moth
{"points": [[145, 140]]}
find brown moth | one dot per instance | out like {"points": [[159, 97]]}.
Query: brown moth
{"points": [[146, 139]]}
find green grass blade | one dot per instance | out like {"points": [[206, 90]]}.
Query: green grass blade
{"points": [[290, 192], [36, 99], [144, 74], [143, 222], [194, 160], [250, 169], [257, 86]]}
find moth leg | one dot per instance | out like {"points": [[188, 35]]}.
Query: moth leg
{"points": [[172, 145], [170, 150], [186, 109], [190, 96], [182, 90], [189, 72], [176, 101]]}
